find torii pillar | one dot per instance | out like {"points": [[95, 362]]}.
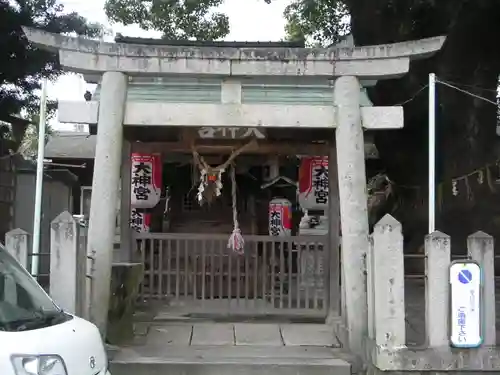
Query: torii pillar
{"points": [[352, 183], [114, 62], [353, 199], [105, 190]]}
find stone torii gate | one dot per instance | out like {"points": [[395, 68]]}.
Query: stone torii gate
{"points": [[347, 66]]}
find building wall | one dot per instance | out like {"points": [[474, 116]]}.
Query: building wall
{"points": [[253, 90], [56, 198], [7, 195]]}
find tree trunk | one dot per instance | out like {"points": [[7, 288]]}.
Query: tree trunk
{"points": [[466, 125]]}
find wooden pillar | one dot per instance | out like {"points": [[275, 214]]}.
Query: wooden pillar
{"points": [[253, 214]]}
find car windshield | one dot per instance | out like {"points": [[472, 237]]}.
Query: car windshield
{"points": [[22, 301]]}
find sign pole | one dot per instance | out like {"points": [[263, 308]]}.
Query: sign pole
{"points": [[432, 152], [39, 180]]}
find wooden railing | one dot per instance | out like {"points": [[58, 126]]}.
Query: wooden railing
{"points": [[274, 274]]}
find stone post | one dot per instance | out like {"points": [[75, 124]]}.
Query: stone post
{"points": [[353, 207], [481, 249], [105, 187], [68, 264], [437, 289], [388, 284], [16, 243], [370, 290], [334, 235], [89, 266]]}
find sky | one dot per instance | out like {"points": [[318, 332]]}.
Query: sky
{"points": [[255, 21]]}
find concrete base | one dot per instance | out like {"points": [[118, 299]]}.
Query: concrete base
{"points": [[219, 360], [125, 281]]}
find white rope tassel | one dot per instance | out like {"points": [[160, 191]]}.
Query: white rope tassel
{"points": [[201, 187], [236, 241]]}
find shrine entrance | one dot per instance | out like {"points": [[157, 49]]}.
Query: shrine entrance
{"points": [[291, 90], [236, 237]]}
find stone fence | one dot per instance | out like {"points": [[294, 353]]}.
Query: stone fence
{"points": [[389, 291], [386, 344], [70, 280]]}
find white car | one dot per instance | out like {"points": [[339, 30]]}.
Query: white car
{"points": [[36, 336]]}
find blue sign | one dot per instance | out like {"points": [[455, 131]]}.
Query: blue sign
{"points": [[465, 276], [465, 307]]}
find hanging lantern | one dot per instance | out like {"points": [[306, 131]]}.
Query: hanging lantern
{"points": [[280, 217], [140, 221], [313, 183], [146, 180]]}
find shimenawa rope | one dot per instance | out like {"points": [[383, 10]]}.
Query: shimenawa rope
{"points": [[236, 241]]}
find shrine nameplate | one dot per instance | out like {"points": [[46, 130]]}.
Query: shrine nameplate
{"points": [[230, 133]]}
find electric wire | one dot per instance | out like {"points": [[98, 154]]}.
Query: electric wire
{"points": [[467, 92]]}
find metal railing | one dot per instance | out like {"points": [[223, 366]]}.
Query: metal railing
{"points": [[422, 257], [41, 277]]}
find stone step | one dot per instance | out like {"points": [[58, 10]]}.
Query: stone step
{"points": [[206, 360]]}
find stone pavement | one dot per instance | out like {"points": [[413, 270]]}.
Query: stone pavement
{"points": [[212, 348], [235, 334]]}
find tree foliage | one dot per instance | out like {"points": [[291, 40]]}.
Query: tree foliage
{"points": [[21, 65], [466, 124], [321, 22], [176, 19]]}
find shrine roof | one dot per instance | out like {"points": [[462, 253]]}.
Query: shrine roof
{"points": [[76, 145], [14, 120], [71, 145], [64, 175]]}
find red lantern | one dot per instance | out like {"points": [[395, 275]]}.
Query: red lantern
{"points": [[280, 217], [146, 180], [140, 221], [313, 183]]}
